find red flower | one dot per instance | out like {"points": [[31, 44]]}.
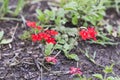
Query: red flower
{"points": [[84, 34], [92, 33], [31, 24], [51, 60], [88, 33], [35, 37], [44, 36], [75, 71], [51, 32], [51, 40]]}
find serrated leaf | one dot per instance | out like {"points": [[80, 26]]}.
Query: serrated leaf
{"points": [[6, 41], [48, 48], [99, 76], [73, 56], [1, 34]]}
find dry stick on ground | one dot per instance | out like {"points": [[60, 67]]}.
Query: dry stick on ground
{"points": [[15, 31], [14, 34]]}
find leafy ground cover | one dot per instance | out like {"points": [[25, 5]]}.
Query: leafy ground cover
{"points": [[23, 59]]}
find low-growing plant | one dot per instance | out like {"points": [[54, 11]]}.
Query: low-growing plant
{"points": [[80, 10], [107, 70], [4, 9], [64, 41]]}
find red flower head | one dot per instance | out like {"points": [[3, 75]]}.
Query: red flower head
{"points": [[92, 33], [44, 35], [51, 60], [75, 71], [35, 37], [51, 32], [84, 34], [88, 33], [31, 24], [51, 40]]}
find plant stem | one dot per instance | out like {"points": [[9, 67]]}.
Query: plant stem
{"points": [[9, 19]]}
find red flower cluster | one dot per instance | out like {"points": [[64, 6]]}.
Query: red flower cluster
{"points": [[47, 35], [88, 33], [52, 60], [75, 71], [44, 36], [33, 25]]}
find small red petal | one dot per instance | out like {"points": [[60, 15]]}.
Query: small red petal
{"points": [[31, 24], [84, 34], [51, 32], [51, 40]]}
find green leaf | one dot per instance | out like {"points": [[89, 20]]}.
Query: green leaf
{"points": [[72, 31], [19, 7], [73, 56], [50, 14], [48, 48], [1, 34], [75, 20], [61, 12], [58, 46], [108, 69], [41, 15], [71, 5], [6, 41], [66, 46], [25, 35], [99, 76]]}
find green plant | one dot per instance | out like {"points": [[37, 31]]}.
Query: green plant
{"points": [[66, 41], [107, 70], [4, 41], [80, 11], [5, 8]]}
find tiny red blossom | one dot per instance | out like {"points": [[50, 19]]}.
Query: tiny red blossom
{"points": [[75, 71], [34, 37], [51, 60], [31, 24], [92, 33], [84, 34], [88, 33], [51, 40], [44, 35], [51, 32]]}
